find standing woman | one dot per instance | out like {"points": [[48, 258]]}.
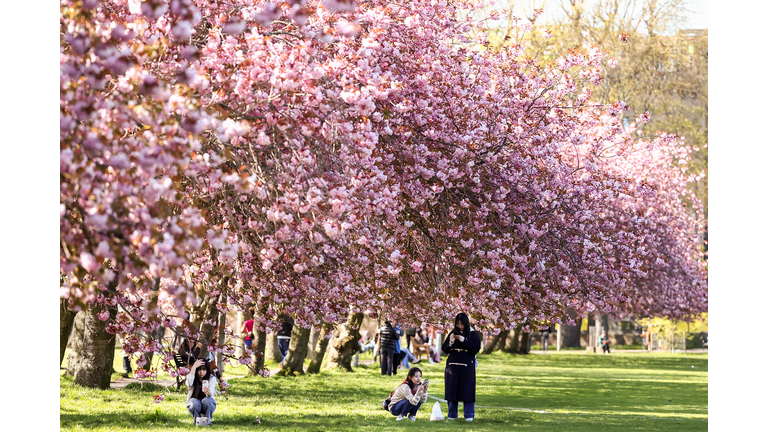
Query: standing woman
{"points": [[202, 386], [461, 345]]}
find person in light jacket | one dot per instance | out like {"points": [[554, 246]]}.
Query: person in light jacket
{"points": [[461, 345], [202, 386], [408, 396]]}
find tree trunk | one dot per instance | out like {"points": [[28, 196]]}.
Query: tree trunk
{"points": [[98, 350], [491, 344], [320, 348], [258, 346], [155, 335], [559, 337], [345, 343], [239, 345], [297, 352], [604, 322], [503, 338], [76, 344], [207, 330], [272, 351], [220, 339], [66, 320], [512, 345], [152, 310], [204, 314], [572, 334], [313, 342], [524, 343]]}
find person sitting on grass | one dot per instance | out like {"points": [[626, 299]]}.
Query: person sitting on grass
{"points": [[202, 386], [365, 342], [604, 343], [408, 396]]}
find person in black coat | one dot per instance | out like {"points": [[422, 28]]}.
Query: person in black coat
{"points": [[461, 345], [387, 336], [284, 335]]}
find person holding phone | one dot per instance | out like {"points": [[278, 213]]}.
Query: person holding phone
{"points": [[462, 345], [408, 396], [202, 386]]}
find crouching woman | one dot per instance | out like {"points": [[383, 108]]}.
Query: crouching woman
{"points": [[408, 396], [202, 385]]}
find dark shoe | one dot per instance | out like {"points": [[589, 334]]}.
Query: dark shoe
{"points": [[416, 361]]}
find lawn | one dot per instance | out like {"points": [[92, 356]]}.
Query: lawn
{"points": [[564, 391]]}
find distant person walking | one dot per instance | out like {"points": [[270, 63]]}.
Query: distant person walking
{"points": [[461, 345], [247, 328], [284, 336], [387, 338], [545, 338]]}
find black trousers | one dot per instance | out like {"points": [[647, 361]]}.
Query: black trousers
{"points": [[387, 360], [127, 364]]}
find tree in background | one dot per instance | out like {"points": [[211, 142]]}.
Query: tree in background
{"points": [[663, 69]]}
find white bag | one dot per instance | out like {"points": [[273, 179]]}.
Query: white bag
{"points": [[437, 413]]}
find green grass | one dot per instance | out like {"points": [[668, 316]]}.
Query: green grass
{"points": [[575, 392], [535, 347]]}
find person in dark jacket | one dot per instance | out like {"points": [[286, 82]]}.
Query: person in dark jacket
{"points": [[387, 336], [284, 335], [545, 338], [462, 345]]}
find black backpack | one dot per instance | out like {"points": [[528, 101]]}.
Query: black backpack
{"points": [[385, 404]]}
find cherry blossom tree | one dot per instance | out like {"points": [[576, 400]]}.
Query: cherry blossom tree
{"points": [[326, 159]]}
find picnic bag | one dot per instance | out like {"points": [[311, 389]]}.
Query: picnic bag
{"points": [[437, 413], [385, 404]]}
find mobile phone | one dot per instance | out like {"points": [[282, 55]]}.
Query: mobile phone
{"points": [[426, 381]]}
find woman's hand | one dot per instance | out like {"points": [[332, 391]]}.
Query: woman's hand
{"points": [[206, 390], [195, 365], [453, 338], [461, 338]]}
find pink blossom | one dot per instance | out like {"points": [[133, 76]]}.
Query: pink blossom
{"points": [[88, 262], [347, 28]]}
